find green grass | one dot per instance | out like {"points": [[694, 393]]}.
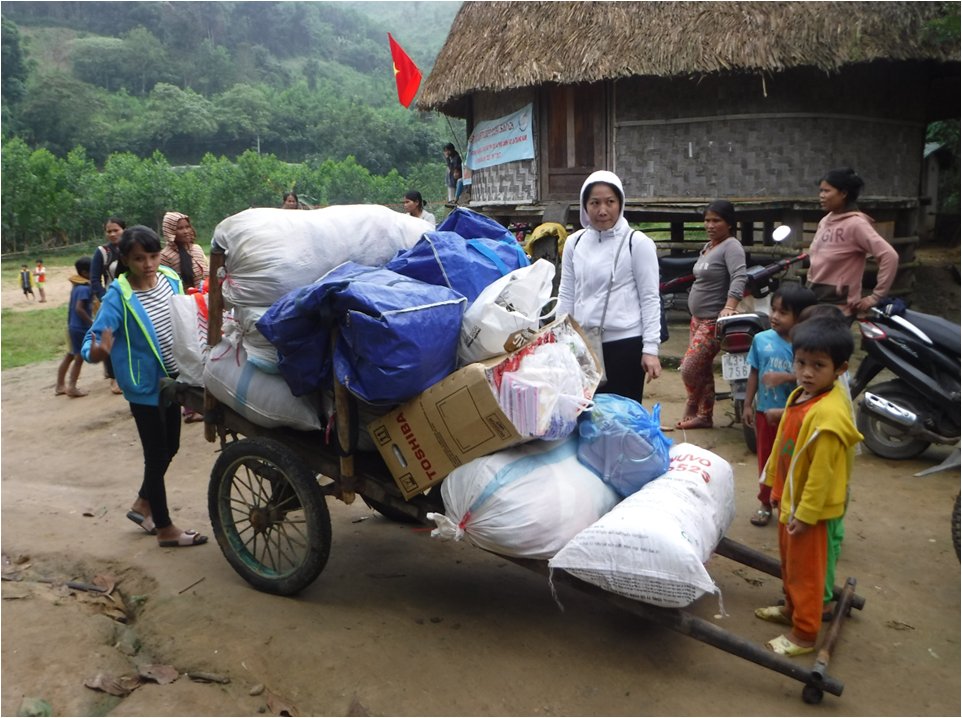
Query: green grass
{"points": [[33, 336], [38, 334]]}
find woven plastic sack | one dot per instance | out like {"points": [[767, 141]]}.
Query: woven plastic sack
{"points": [[525, 502], [269, 252], [653, 546], [622, 443], [262, 398]]}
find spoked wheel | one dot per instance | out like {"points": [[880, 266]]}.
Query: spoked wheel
{"points": [[269, 516], [882, 438], [956, 526]]}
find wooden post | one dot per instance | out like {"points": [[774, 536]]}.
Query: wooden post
{"points": [[342, 422], [215, 313]]}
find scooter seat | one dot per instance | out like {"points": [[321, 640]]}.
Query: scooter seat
{"points": [[941, 331], [677, 264]]}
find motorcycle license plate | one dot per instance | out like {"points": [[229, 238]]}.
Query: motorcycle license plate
{"points": [[735, 366]]}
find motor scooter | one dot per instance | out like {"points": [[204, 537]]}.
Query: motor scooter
{"points": [[735, 332], [900, 418]]}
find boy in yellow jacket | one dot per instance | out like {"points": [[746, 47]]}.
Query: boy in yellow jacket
{"points": [[809, 470]]}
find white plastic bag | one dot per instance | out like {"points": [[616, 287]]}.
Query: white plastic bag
{"points": [[525, 502], [652, 547], [506, 313], [545, 394], [188, 316]]}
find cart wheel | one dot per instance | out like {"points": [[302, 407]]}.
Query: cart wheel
{"points": [[269, 516], [812, 694]]}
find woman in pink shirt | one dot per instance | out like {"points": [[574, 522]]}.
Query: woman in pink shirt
{"points": [[844, 239]]}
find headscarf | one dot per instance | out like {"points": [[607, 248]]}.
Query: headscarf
{"points": [[186, 270], [607, 177]]}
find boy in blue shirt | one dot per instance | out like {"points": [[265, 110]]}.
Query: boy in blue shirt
{"points": [[79, 319], [772, 379]]}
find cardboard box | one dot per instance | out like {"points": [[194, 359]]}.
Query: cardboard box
{"points": [[449, 424]]}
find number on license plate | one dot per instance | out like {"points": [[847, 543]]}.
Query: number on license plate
{"points": [[735, 366]]}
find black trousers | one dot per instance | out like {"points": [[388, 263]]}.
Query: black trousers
{"points": [[159, 429], [623, 367]]}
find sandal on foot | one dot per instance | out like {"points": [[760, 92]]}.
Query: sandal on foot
{"points": [[186, 538], [59, 390], [193, 417], [786, 647], [761, 517], [773, 614], [694, 422], [145, 522]]}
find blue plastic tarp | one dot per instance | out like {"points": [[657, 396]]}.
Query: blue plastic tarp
{"points": [[467, 266], [472, 225], [396, 335]]}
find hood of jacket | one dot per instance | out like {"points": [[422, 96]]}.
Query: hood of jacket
{"points": [[608, 178]]}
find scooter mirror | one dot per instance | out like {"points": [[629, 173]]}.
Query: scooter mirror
{"points": [[781, 233]]}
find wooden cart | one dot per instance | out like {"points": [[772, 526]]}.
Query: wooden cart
{"points": [[267, 501]]}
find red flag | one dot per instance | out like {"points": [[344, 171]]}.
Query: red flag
{"points": [[406, 73]]}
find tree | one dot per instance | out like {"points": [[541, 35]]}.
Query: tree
{"points": [[181, 115], [13, 72], [59, 112], [96, 60]]}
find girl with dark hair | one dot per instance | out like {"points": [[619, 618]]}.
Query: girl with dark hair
{"points": [[133, 328], [720, 277], [290, 201], [414, 206], [104, 268], [844, 239]]}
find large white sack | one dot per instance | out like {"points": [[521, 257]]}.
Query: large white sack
{"points": [[260, 352], [652, 547], [525, 502], [264, 399], [270, 252]]}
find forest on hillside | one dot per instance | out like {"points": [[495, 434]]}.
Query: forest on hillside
{"points": [[216, 106], [297, 80]]}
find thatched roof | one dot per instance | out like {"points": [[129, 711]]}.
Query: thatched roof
{"points": [[496, 46]]}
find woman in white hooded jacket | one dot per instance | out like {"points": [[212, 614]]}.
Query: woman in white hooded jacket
{"points": [[632, 321]]}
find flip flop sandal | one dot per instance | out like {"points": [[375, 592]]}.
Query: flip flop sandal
{"points": [[785, 647], [186, 538], [773, 614], [761, 517], [145, 522], [694, 422]]}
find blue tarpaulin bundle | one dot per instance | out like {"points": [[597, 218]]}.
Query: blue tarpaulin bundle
{"points": [[472, 225], [397, 336], [465, 265]]}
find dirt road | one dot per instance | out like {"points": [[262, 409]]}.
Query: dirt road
{"points": [[402, 624]]}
